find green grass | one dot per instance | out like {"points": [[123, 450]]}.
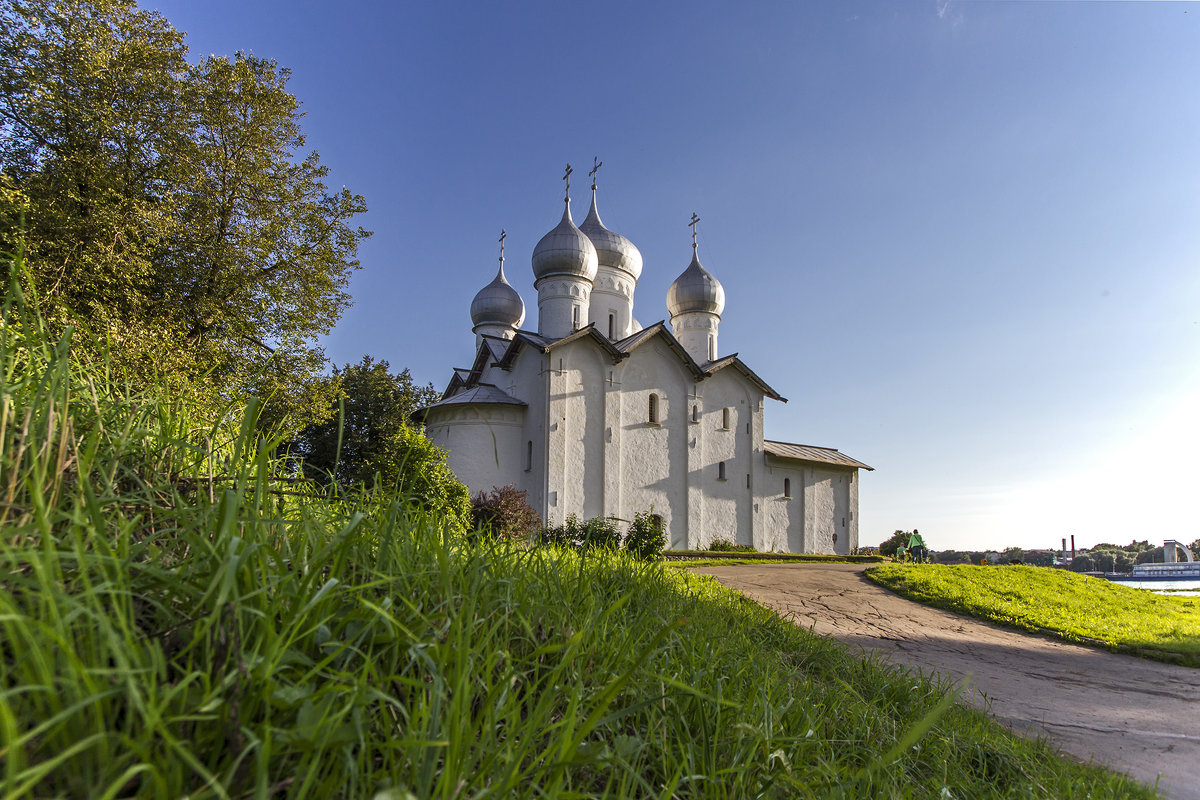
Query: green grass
{"points": [[1068, 606], [721, 562], [177, 620]]}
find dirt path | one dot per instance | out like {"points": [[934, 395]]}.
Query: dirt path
{"points": [[1137, 716]]}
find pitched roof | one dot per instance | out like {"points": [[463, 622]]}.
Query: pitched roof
{"points": [[713, 367], [616, 351], [477, 394], [808, 452], [636, 340]]}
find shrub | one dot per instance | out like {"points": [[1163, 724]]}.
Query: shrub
{"points": [[601, 533], [596, 533], [569, 534], [504, 512], [645, 538], [726, 546]]}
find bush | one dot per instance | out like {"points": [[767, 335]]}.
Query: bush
{"points": [[601, 533], [727, 546], [504, 512], [645, 538], [596, 533], [569, 534]]}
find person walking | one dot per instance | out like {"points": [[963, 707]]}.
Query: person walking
{"points": [[916, 546]]}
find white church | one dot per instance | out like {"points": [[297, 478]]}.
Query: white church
{"points": [[595, 415]]}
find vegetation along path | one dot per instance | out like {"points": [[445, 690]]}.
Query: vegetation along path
{"points": [[1135, 715]]}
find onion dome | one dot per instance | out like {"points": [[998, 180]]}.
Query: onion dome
{"points": [[565, 251], [498, 304], [695, 290], [612, 249]]}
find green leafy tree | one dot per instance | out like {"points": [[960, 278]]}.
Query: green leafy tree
{"points": [[896, 540], [172, 206], [366, 428]]}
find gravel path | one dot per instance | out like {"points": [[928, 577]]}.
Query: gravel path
{"points": [[1137, 716]]}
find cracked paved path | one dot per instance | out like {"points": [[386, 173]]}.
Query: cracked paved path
{"points": [[1134, 715]]}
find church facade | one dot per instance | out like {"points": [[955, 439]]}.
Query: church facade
{"points": [[595, 415]]}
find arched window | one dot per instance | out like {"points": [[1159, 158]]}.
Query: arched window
{"points": [[725, 418], [787, 487], [575, 318], [695, 413], [529, 455], [653, 417], [612, 326], [721, 470], [712, 348]]}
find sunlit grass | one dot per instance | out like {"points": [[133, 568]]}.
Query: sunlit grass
{"points": [[1069, 606], [176, 621]]}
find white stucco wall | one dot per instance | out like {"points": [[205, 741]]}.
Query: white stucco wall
{"points": [[560, 300], [784, 522], [654, 455], [482, 442], [827, 510], [728, 504], [595, 452], [612, 293]]}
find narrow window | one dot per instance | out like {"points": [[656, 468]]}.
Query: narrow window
{"points": [[575, 318], [725, 418], [653, 408], [787, 487], [695, 413], [747, 480], [721, 471], [712, 349], [612, 326], [747, 427], [529, 455]]}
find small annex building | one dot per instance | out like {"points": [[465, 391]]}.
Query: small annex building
{"points": [[595, 415]]}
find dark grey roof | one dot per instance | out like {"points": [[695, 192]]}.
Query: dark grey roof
{"points": [[808, 452], [480, 393]]}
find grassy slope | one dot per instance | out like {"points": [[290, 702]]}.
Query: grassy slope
{"points": [[1076, 608], [164, 634]]}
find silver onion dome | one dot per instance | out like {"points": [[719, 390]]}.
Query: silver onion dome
{"points": [[612, 249], [695, 290], [565, 251], [498, 304]]}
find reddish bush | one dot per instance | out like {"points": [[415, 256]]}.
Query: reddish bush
{"points": [[505, 512]]}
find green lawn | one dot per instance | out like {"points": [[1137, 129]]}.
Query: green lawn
{"points": [[1075, 608], [165, 634]]}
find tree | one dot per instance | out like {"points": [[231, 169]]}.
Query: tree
{"points": [[171, 206], [370, 419], [895, 541]]}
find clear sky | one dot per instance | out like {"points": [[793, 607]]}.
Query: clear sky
{"points": [[963, 238]]}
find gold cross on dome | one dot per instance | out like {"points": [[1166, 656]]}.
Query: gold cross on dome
{"points": [[596, 165], [692, 225], [567, 178]]}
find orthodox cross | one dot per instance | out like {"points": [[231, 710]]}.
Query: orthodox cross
{"points": [[597, 164], [567, 178], [692, 225], [503, 233]]}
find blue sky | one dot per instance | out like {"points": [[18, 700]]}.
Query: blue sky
{"points": [[963, 238]]}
